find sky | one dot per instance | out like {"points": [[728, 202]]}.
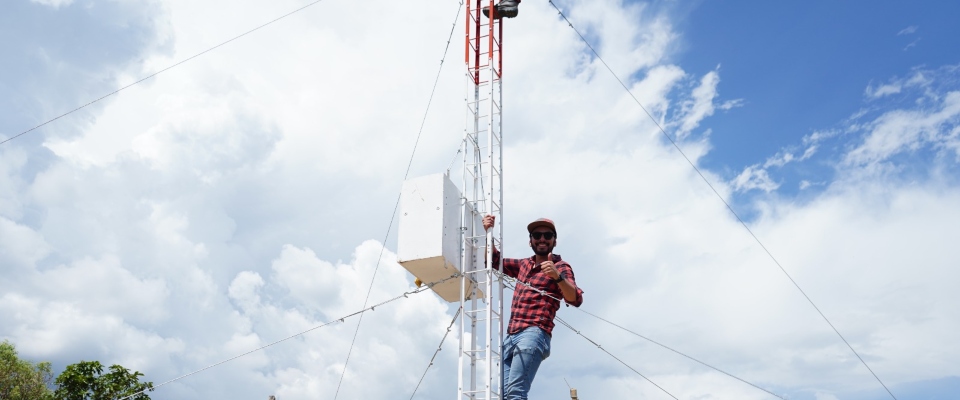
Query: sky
{"points": [[248, 194]]}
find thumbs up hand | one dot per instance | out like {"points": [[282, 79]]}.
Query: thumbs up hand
{"points": [[549, 268]]}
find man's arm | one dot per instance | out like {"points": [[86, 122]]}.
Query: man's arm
{"points": [[571, 292], [509, 266], [568, 286]]}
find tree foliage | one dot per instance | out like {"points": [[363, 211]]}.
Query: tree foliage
{"points": [[21, 379], [85, 380]]}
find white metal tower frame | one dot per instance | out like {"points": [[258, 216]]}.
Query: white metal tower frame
{"points": [[481, 326]]}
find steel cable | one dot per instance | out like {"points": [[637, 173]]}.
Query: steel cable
{"points": [[564, 323], [543, 293], [729, 207], [440, 347], [160, 71], [615, 357], [341, 319], [682, 354], [396, 206]]}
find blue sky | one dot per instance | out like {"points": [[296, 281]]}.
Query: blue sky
{"points": [[804, 67], [243, 196]]}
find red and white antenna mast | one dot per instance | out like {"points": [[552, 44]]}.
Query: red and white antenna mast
{"points": [[481, 327]]}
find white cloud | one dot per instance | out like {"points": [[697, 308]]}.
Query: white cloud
{"points": [[29, 244], [244, 288], [230, 202], [893, 137], [809, 152], [779, 160], [702, 104], [883, 90], [754, 178], [908, 30], [731, 104], [53, 3], [757, 176], [818, 136], [310, 365], [825, 396], [911, 44], [65, 329], [75, 283], [906, 130], [919, 78], [952, 141]]}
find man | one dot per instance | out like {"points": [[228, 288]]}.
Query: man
{"points": [[505, 8], [531, 315]]}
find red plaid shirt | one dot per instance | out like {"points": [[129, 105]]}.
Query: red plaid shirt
{"points": [[529, 307]]}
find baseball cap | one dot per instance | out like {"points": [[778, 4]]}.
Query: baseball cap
{"points": [[541, 222]]}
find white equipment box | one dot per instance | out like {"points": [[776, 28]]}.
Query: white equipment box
{"points": [[428, 242]]}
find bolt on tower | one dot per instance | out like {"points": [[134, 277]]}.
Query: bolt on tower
{"points": [[481, 326]]}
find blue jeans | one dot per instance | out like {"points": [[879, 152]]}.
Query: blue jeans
{"points": [[522, 354]]}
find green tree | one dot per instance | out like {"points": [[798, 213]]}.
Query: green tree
{"points": [[20, 379], [85, 380]]}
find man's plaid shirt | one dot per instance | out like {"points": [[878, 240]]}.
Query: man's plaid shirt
{"points": [[529, 307]]}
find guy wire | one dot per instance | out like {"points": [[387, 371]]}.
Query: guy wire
{"points": [[729, 207], [397, 204], [159, 72], [360, 312]]}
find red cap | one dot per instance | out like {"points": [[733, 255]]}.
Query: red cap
{"points": [[541, 222]]}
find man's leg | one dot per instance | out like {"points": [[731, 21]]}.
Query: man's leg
{"points": [[509, 346], [522, 354]]}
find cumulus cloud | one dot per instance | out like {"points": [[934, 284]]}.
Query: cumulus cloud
{"points": [[701, 105], [244, 290], [31, 244], [231, 202], [907, 130], [310, 365], [754, 178], [757, 176]]}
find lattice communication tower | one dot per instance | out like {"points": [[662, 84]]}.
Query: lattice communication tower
{"points": [[481, 327]]}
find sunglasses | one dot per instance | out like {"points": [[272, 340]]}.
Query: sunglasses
{"points": [[545, 235]]}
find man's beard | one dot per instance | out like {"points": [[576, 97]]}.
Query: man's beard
{"points": [[542, 253]]}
